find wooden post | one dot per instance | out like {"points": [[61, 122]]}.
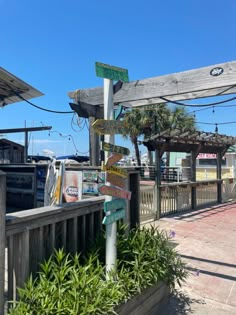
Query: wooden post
{"points": [[219, 184], [2, 237], [157, 188], [94, 145], [26, 147], [193, 179]]}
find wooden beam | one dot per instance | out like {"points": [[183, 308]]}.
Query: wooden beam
{"points": [[185, 85], [15, 130], [2, 238]]}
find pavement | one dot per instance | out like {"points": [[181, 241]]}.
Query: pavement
{"points": [[206, 240]]}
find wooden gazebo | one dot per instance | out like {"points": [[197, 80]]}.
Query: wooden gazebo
{"points": [[193, 142]]}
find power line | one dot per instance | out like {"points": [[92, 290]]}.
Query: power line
{"points": [[41, 108], [70, 137], [213, 106], [197, 105]]}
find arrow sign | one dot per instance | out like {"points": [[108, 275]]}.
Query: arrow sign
{"points": [[115, 170], [110, 72], [114, 217], [116, 180], [114, 204], [114, 191], [108, 127], [115, 148], [113, 159]]}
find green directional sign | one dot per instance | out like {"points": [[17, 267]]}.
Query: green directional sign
{"points": [[114, 204], [115, 216], [110, 72], [106, 146]]}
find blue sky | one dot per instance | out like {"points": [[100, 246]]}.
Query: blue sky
{"points": [[53, 45]]}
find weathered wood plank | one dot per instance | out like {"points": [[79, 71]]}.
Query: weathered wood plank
{"points": [[197, 83], [11, 272], [51, 237], [55, 210], [64, 234], [17, 222], [2, 238]]}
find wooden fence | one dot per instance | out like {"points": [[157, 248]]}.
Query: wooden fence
{"points": [[178, 197], [32, 236]]}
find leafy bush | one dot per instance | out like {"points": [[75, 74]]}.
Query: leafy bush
{"points": [[77, 285], [64, 286], [144, 257]]}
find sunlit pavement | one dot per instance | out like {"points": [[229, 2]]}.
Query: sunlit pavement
{"points": [[206, 239]]}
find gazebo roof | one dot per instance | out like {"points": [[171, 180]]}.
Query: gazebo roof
{"points": [[187, 141]]}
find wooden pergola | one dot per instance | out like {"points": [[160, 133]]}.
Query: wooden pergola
{"points": [[215, 80], [193, 142]]}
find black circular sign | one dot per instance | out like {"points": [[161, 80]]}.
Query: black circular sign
{"points": [[215, 72]]}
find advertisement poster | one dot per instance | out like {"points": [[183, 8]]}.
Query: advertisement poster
{"points": [[72, 186], [90, 189], [90, 176]]}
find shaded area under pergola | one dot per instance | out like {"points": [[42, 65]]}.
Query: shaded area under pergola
{"points": [[193, 142]]}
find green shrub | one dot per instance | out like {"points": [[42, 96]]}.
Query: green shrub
{"points": [[64, 286], [77, 285]]}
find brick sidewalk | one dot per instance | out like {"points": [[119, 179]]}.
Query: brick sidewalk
{"points": [[206, 239]]}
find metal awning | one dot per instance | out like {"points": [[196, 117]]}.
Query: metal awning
{"points": [[13, 89]]}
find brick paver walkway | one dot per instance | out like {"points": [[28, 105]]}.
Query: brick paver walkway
{"points": [[206, 239]]}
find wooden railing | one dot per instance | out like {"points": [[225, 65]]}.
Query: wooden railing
{"points": [[32, 236], [229, 189], [206, 193], [147, 211], [177, 197]]}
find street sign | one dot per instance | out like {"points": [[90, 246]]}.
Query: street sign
{"points": [[116, 180], [108, 127], [115, 170], [115, 148], [110, 72], [115, 216], [113, 159], [114, 204], [114, 192]]}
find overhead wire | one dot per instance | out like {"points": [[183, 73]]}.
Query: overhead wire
{"points": [[197, 105], [70, 137], [44, 109]]}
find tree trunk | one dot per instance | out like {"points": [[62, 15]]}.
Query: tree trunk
{"points": [[136, 148], [150, 158]]}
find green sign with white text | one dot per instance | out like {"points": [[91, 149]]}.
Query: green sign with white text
{"points": [[111, 72], [115, 216]]}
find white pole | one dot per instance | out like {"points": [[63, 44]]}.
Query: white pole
{"points": [[111, 229]]}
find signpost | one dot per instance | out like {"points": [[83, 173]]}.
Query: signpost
{"points": [[114, 192], [114, 204], [108, 127], [110, 72], [116, 180], [115, 148], [115, 170], [113, 159], [113, 217]]}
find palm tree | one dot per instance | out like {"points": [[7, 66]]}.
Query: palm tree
{"points": [[153, 119], [179, 119], [135, 122]]}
